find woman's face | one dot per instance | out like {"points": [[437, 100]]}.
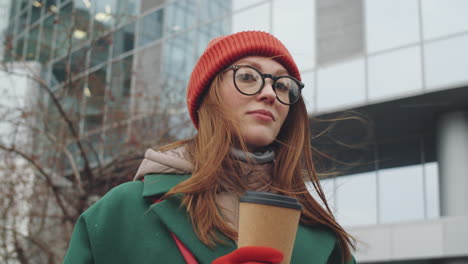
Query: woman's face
{"points": [[261, 115]]}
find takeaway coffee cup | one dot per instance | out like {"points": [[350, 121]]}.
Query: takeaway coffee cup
{"points": [[271, 220]]}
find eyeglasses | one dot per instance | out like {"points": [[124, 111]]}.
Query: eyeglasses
{"points": [[250, 81]]}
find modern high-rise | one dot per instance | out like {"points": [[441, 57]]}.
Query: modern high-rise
{"points": [[397, 69]]}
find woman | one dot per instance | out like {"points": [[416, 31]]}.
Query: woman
{"points": [[244, 98]]}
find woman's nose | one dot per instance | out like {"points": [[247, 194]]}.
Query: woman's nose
{"points": [[267, 93]]}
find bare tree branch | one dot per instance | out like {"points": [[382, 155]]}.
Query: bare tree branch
{"points": [[46, 176]]}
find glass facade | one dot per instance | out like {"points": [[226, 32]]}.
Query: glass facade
{"points": [[127, 62], [121, 66], [385, 196]]}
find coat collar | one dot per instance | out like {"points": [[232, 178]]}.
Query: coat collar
{"points": [[176, 219], [312, 245], [159, 184]]}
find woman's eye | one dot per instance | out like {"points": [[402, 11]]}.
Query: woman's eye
{"points": [[246, 77], [280, 86]]}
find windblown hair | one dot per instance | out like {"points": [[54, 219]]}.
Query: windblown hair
{"points": [[209, 154]]}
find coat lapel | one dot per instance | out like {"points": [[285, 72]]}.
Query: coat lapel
{"points": [[175, 218], [312, 245]]}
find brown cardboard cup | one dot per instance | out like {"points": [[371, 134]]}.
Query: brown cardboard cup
{"points": [[271, 220]]}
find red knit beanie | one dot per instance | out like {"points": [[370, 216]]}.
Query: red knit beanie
{"points": [[225, 50]]}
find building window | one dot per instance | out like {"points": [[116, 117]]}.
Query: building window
{"points": [[32, 43], [94, 94], [391, 24], [339, 30], [442, 18], [45, 49], [151, 27], [100, 50], [146, 5], [123, 39]]}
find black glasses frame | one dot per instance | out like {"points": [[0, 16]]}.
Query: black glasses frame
{"points": [[235, 68]]}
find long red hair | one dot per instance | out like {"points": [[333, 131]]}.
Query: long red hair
{"points": [[209, 154]]}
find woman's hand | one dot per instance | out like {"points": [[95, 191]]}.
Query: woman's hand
{"points": [[251, 255]]}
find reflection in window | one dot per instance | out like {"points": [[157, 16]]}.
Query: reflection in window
{"points": [[51, 6], [23, 4], [209, 31], [11, 30], [94, 94], [82, 20], [356, 199], [46, 39], [150, 28], [100, 50], [121, 80], [118, 110], [258, 16], [180, 15], [72, 102], [63, 30], [9, 44], [210, 10], [125, 11], [112, 13], [391, 23], [33, 40], [123, 39], [59, 71], [14, 9], [179, 60], [146, 5], [18, 54], [78, 61], [23, 20], [36, 9], [148, 82], [103, 15]]}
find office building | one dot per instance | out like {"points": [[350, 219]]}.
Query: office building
{"points": [[402, 65]]}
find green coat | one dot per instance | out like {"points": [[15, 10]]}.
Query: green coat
{"points": [[123, 227]]}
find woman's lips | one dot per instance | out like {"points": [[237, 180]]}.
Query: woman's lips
{"points": [[264, 115]]}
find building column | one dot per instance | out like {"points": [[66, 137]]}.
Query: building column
{"points": [[452, 151]]}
